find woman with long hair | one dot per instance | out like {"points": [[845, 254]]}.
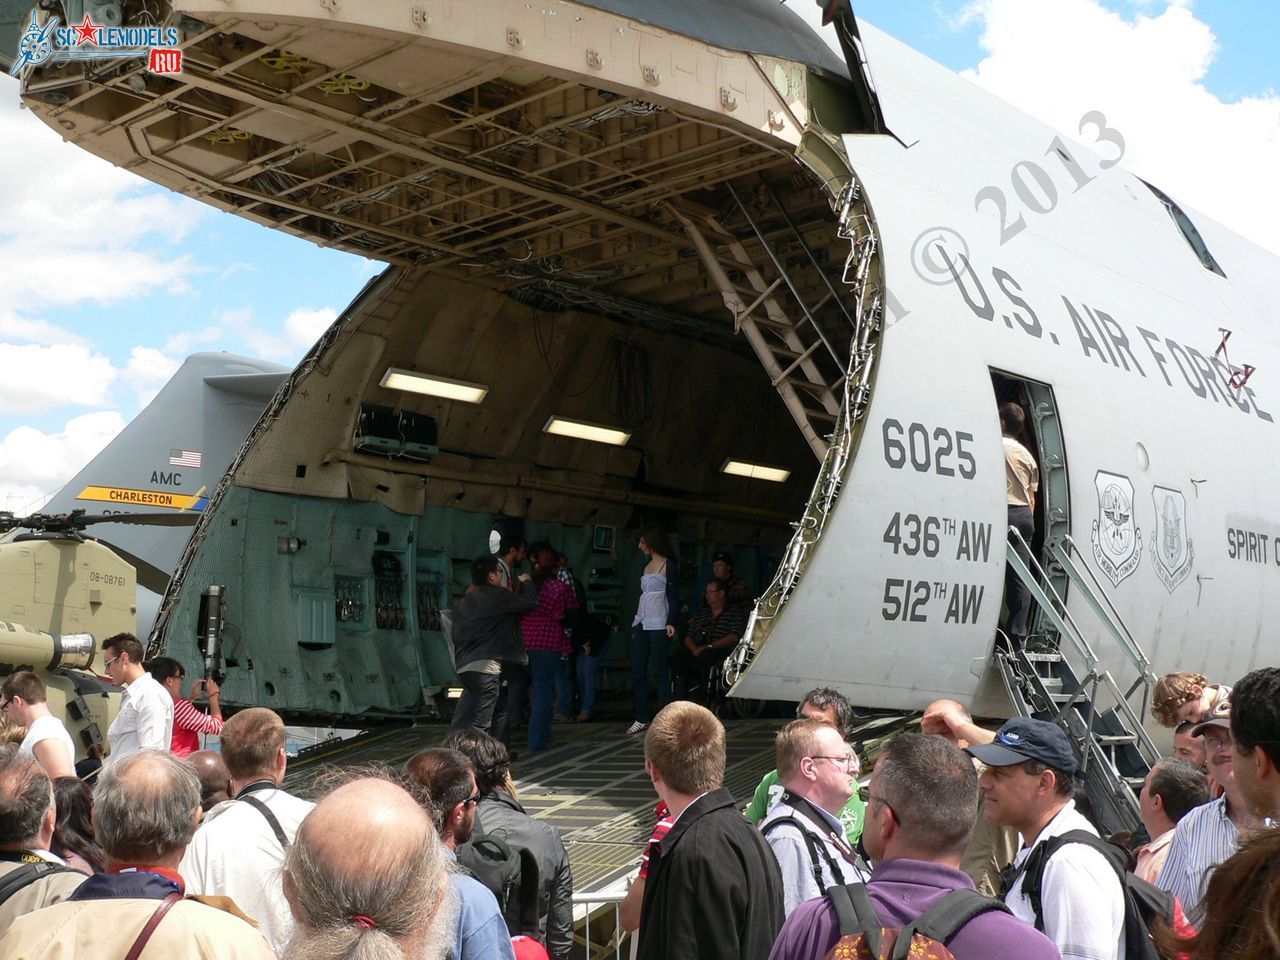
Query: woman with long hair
{"points": [[73, 836], [657, 614], [548, 645]]}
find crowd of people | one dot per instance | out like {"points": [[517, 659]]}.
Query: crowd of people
{"points": [[972, 841], [1199, 882], [517, 636]]}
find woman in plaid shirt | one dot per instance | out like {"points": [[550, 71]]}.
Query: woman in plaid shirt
{"points": [[547, 644]]}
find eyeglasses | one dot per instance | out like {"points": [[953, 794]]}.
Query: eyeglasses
{"points": [[847, 760], [107, 663], [872, 798], [472, 800], [4, 704], [1214, 743]]}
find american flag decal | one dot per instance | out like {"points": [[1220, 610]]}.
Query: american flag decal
{"points": [[184, 458]]}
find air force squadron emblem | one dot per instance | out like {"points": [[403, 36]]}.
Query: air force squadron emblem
{"points": [[1171, 551], [1117, 541]]}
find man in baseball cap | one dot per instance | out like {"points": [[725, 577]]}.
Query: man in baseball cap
{"points": [[1209, 834], [1028, 785], [738, 592]]}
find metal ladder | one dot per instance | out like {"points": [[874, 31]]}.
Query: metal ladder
{"points": [[1070, 686], [785, 347]]}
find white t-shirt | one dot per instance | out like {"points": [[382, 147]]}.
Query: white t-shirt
{"points": [[47, 728], [1080, 895], [145, 720], [235, 854]]}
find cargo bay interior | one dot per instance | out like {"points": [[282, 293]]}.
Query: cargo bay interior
{"points": [[651, 258]]}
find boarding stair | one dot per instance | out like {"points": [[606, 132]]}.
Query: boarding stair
{"points": [[1058, 676], [790, 345]]}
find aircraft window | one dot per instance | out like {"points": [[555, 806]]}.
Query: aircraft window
{"points": [[495, 541], [1189, 231]]}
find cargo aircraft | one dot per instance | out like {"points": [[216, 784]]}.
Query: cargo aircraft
{"points": [[664, 262]]}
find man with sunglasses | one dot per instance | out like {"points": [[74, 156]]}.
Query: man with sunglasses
{"points": [[145, 720], [443, 781], [816, 768], [1209, 834]]}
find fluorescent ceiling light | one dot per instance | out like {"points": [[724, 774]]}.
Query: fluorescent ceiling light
{"points": [[587, 431], [413, 382], [756, 471]]}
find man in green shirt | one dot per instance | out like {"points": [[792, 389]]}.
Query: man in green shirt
{"points": [[830, 706]]}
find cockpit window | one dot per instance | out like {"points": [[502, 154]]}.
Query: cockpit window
{"points": [[1189, 231]]}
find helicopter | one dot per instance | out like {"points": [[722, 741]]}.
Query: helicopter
{"points": [[62, 593]]}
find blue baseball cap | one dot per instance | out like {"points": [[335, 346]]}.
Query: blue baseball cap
{"points": [[1022, 739]]}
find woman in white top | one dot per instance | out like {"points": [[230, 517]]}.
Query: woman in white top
{"points": [[657, 614], [23, 700]]}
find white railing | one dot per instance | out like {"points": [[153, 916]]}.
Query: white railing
{"points": [[604, 909]]}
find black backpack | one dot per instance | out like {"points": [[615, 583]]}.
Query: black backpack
{"points": [[27, 874], [1144, 905], [511, 873], [818, 852]]}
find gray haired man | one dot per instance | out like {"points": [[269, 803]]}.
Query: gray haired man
{"points": [[146, 807]]}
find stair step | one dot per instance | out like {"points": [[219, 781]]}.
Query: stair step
{"points": [[1114, 739], [1051, 683], [1043, 657], [1135, 782], [816, 389], [1062, 697]]}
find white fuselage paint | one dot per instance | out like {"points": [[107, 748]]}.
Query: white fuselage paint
{"points": [[1132, 381]]}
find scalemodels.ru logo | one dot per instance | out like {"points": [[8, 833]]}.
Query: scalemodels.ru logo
{"points": [[94, 41]]}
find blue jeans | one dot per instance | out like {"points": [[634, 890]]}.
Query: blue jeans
{"points": [[649, 649], [550, 675], [588, 679]]}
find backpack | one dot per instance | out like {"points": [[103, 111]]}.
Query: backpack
{"points": [[818, 852], [27, 874], [1144, 904], [924, 938], [510, 873]]}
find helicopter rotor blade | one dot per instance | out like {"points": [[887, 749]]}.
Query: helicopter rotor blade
{"points": [[143, 519], [149, 575]]}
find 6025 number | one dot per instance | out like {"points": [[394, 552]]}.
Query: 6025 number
{"points": [[943, 451]]}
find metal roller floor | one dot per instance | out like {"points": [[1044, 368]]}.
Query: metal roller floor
{"points": [[590, 784]]}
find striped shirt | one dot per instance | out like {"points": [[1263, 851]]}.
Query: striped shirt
{"points": [[665, 820], [188, 723], [1204, 838]]}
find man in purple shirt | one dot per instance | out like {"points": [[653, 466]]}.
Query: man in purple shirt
{"points": [[921, 807]]}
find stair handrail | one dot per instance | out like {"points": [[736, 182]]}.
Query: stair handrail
{"points": [[1111, 618]]}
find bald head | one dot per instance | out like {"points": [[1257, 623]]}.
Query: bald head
{"points": [[367, 850], [215, 778]]}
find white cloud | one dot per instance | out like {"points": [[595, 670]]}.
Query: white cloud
{"points": [[305, 324], [1146, 74], [18, 329], [189, 341], [45, 377], [34, 465], [289, 341], [74, 228]]}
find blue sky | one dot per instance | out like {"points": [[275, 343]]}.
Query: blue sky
{"points": [[108, 282], [1247, 32]]}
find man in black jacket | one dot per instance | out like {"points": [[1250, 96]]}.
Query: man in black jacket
{"points": [[499, 813], [714, 890], [484, 635]]}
